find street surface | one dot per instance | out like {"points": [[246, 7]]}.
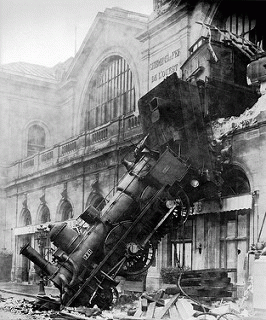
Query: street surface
{"points": [[18, 307], [8, 315]]}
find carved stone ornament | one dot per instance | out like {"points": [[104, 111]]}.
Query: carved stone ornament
{"points": [[64, 192], [42, 199], [24, 202], [95, 183], [161, 6]]}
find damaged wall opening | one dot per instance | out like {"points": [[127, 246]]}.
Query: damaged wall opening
{"points": [[245, 21]]}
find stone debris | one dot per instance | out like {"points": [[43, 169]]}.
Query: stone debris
{"points": [[23, 306], [155, 306]]}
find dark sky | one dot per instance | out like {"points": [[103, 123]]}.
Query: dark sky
{"points": [[48, 31]]}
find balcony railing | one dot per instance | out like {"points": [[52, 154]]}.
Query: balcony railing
{"points": [[81, 145]]}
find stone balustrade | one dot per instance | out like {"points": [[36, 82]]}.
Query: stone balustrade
{"points": [[81, 145]]}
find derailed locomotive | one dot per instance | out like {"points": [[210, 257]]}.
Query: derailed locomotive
{"points": [[172, 168]]}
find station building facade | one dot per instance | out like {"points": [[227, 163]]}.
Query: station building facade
{"points": [[66, 129]]}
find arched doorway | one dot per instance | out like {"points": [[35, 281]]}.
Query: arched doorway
{"points": [[235, 182], [25, 220], [43, 218]]}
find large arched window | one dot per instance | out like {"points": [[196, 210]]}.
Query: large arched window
{"points": [[36, 139], [111, 92]]}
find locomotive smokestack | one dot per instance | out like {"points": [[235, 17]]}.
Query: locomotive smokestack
{"points": [[37, 259]]}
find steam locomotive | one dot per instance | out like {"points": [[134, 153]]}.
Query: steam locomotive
{"points": [[155, 193]]}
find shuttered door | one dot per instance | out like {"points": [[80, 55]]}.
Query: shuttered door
{"points": [[234, 242]]}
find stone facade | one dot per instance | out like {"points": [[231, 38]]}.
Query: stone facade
{"points": [[79, 162]]}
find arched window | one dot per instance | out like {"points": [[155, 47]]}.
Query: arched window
{"points": [[241, 24], [111, 92], [235, 182], [25, 217], [65, 211], [36, 139], [44, 214]]}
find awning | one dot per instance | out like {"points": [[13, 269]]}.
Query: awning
{"points": [[240, 202]]}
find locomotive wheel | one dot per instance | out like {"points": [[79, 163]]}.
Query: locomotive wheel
{"points": [[138, 259], [106, 298]]}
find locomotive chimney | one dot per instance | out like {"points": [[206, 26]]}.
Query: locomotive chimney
{"points": [[37, 259]]}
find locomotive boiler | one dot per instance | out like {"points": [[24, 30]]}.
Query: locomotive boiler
{"points": [[155, 193]]}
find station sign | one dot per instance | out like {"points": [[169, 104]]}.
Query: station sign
{"points": [[163, 65]]}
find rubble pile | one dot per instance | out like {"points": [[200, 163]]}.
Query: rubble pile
{"points": [[24, 306], [180, 307], [155, 306]]}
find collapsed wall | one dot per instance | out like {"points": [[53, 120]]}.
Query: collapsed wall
{"points": [[222, 127]]}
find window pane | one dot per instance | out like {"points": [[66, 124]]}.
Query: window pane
{"points": [[26, 217], [181, 255], [246, 26], [45, 214], [66, 211], [36, 140]]}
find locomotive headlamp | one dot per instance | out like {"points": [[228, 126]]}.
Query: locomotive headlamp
{"points": [[194, 183]]}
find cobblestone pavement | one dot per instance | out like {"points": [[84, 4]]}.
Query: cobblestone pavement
{"points": [[26, 289], [13, 295], [7, 315], [16, 303], [9, 309]]}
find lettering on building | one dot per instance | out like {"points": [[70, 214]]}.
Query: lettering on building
{"points": [[99, 164], [164, 66]]}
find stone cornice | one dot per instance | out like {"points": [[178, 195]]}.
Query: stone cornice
{"points": [[163, 22], [115, 15]]}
